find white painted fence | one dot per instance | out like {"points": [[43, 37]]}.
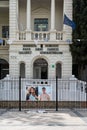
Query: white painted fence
{"points": [[68, 90]]}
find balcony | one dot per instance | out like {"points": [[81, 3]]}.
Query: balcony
{"points": [[40, 35]]}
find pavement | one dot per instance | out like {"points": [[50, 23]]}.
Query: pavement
{"points": [[75, 119]]}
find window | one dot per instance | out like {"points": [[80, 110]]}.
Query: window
{"points": [[22, 70], [41, 24], [59, 70], [5, 31]]}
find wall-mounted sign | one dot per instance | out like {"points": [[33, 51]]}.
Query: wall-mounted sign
{"points": [[53, 49], [53, 66], [25, 52], [38, 49], [49, 50]]}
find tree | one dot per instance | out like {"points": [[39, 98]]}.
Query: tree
{"points": [[79, 47]]}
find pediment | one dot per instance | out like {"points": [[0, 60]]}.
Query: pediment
{"points": [[40, 10]]}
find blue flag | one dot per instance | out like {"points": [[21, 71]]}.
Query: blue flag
{"points": [[1, 41], [69, 22]]}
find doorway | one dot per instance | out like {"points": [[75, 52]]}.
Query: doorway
{"points": [[40, 69]]}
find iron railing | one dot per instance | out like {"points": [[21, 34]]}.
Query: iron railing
{"points": [[67, 92]]}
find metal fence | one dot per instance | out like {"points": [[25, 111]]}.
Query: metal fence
{"points": [[65, 92]]}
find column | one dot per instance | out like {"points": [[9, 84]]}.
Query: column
{"points": [[17, 13], [12, 19], [28, 15], [53, 31], [52, 14], [28, 19], [17, 6]]}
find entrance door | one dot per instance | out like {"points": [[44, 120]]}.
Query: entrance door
{"points": [[37, 73], [40, 69], [43, 72]]}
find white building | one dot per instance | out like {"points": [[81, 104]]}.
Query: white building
{"points": [[35, 40]]}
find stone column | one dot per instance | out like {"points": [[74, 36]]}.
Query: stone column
{"points": [[52, 15], [53, 31], [17, 13], [17, 8], [28, 19], [12, 19]]}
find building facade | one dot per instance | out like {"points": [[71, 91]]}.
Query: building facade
{"points": [[34, 42]]}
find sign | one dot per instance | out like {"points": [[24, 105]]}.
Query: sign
{"points": [[25, 50], [53, 49], [53, 66], [38, 49], [49, 50], [38, 93]]}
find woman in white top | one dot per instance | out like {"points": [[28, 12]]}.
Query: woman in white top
{"points": [[32, 94]]}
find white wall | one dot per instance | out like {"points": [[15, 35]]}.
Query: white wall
{"points": [[28, 59]]}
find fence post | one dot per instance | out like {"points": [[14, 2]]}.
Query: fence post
{"points": [[56, 93], [86, 92], [20, 93]]}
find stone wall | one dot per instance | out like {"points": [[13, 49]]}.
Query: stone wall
{"points": [[15, 59], [46, 105]]}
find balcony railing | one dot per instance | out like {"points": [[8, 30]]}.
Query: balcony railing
{"points": [[41, 36], [3, 42], [59, 35], [22, 35]]}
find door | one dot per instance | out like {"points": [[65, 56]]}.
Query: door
{"points": [[40, 69], [37, 73]]}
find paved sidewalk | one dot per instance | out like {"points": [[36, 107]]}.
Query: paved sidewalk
{"points": [[43, 120]]}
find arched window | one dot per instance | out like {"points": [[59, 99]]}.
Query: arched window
{"points": [[22, 70], [4, 68], [58, 70]]}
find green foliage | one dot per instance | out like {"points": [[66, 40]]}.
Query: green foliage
{"points": [[79, 48]]}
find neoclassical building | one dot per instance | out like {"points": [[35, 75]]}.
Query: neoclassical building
{"points": [[34, 42]]}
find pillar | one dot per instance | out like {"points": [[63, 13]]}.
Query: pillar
{"points": [[28, 24], [52, 31]]}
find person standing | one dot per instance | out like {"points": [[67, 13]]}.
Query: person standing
{"points": [[44, 96]]}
